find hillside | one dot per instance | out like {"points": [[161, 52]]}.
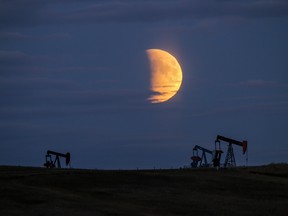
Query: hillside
{"points": [[241, 191]]}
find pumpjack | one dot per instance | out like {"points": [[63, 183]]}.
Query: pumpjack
{"points": [[230, 159], [202, 161], [50, 163]]}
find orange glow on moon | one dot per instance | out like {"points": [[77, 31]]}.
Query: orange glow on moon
{"points": [[165, 75]]}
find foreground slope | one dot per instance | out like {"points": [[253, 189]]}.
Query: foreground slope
{"points": [[241, 191]]}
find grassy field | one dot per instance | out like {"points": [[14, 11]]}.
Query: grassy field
{"points": [[242, 191]]}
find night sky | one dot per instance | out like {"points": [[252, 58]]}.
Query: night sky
{"points": [[74, 76]]}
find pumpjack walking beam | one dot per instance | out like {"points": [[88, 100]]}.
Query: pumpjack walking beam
{"points": [[230, 159]]}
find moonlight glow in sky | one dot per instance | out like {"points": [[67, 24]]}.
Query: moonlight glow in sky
{"points": [[74, 77]]}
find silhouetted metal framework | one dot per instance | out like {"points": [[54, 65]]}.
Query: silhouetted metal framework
{"points": [[230, 159], [217, 154], [202, 161], [50, 163]]}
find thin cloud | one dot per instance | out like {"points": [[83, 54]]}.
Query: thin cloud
{"points": [[7, 56], [32, 69], [20, 36], [16, 57], [34, 12], [259, 83], [13, 36]]}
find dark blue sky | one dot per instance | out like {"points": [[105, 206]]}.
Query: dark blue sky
{"points": [[74, 76]]}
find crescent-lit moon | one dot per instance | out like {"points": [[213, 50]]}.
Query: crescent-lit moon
{"points": [[165, 75]]}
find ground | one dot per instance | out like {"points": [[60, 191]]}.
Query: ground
{"points": [[239, 191]]}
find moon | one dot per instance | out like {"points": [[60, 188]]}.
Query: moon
{"points": [[165, 75]]}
